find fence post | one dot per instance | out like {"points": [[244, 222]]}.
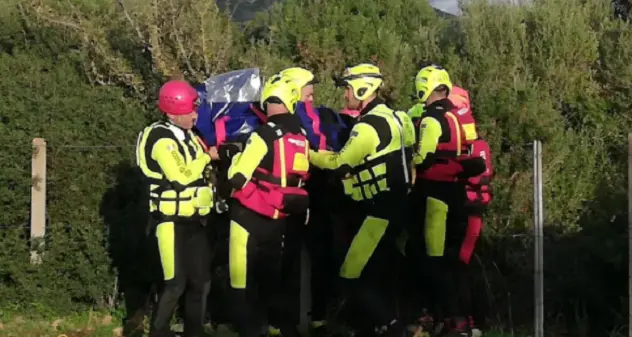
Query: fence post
{"points": [[630, 234], [38, 198], [538, 220]]}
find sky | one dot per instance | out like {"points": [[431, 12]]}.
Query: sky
{"points": [[246, 9], [448, 6], [452, 6]]}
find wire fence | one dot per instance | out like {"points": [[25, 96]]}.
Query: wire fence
{"points": [[95, 220]]}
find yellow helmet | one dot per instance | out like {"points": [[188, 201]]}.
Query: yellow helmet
{"points": [[429, 79], [280, 89], [365, 79], [301, 76]]}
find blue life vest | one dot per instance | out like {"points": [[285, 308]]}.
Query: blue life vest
{"points": [[323, 126], [226, 122]]}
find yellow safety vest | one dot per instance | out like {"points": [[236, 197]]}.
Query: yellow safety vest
{"points": [[384, 167], [165, 202]]}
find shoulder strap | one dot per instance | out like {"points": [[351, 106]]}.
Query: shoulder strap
{"points": [[220, 130]]}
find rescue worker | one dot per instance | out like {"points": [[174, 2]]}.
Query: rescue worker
{"points": [[174, 162], [478, 193], [376, 166], [439, 196], [267, 178], [324, 129]]}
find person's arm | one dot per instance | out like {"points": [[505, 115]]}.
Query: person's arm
{"points": [[429, 133], [362, 141], [165, 152], [245, 163], [416, 111], [408, 128]]}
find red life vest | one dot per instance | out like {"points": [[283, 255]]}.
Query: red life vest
{"points": [[479, 189], [276, 193], [446, 166]]}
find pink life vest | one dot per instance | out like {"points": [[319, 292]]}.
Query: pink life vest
{"points": [[349, 112], [478, 188], [270, 192], [315, 118]]}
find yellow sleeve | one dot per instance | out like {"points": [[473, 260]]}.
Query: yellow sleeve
{"points": [[244, 164], [416, 111], [363, 140], [408, 128], [165, 152], [429, 133]]}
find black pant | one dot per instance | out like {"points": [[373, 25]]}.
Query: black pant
{"points": [[369, 270], [293, 240], [437, 233], [185, 254], [320, 241], [255, 261]]}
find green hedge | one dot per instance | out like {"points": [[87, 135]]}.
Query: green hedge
{"points": [[81, 73]]}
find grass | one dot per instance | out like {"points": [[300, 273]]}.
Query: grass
{"points": [[88, 324], [77, 325]]}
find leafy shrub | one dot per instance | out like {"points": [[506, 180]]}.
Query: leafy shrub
{"points": [[559, 71]]}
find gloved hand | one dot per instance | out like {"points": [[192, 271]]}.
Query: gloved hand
{"points": [[228, 151], [221, 206], [210, 175], [472, 168]]}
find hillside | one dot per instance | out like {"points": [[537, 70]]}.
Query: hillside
{"points": [[84, 76]]}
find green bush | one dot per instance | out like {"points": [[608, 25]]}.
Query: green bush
{"points": [[559, 71], [50, 98]]}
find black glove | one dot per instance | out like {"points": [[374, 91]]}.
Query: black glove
{"points": [[226, 152], [472, 167], [221, 206]]}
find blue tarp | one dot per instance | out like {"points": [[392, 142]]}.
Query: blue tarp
{"points": [[229, 94]]}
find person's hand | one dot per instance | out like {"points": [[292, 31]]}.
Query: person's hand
{"points": [[212, 151], [228, 151]]}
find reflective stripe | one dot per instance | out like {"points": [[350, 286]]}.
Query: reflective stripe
{"points": [[362, 247], [457, 131], [165, 233], [238, 256], [401, 134], [283, 172]]}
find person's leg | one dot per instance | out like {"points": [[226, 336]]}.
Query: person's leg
{"points": [[435, 227], [370, 262], [290, 273], [456, 270], [418, 283], [170, 247], [319, 242], [464, 277], [242, 259], [197, 262], [273, 293]]}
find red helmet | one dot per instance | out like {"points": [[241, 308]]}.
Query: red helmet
{"points": [[177, 98]]}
